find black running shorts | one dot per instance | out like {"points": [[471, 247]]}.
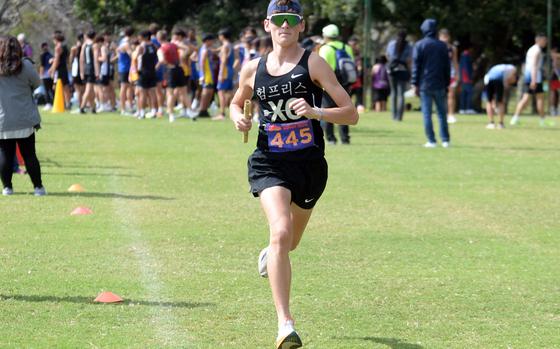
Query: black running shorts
{"points": [[305, 179], [495, 91], [89, 79], [147, 82], [103, 80], [123, 78], [176, 77], [538, 90]]}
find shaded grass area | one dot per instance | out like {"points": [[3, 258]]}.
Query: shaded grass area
{"points": [[409, 248]]}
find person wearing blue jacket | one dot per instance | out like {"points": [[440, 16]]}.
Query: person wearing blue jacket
{"points": [[430, 78]]}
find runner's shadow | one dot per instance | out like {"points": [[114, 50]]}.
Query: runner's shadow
{"points": [[112, 196], [393, 343], [88, 300]]}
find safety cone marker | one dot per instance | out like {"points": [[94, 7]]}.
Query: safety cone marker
{"points": [[76, 188], [108, 297], [82, 210]]}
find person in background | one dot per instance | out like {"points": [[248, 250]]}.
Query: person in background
{"points": [[357, 89], [89, 72], [207, 78], [225, 73], [399, 55], [445, 36], [77, 82], [430, 78], [45, 60], [497, 81], [533, 77], [555, 82], [466, 79], [19, 117], [25, 46], [379, 85], [329, 53], [59, 68]]}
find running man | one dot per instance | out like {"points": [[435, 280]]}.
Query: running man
{"points": [[498, 79], [288, 170], [225, 74], [533, 79], [59, 68]]}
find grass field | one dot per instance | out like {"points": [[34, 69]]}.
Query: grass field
{"points": [[409, 248]]}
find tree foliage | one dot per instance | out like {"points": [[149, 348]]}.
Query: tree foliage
{"points": [[497, 27]]}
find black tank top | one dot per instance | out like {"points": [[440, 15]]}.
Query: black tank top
{"points": [[149, 61], [89, 64], [274, 94], [62, 64]]}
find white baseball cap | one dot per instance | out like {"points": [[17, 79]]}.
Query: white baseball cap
{"points": [[331, 31]]}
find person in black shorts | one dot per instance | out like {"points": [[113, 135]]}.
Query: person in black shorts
{"points": [[168, 55], [288, 171], [89, 72], [59, 68], [77, 82], [498, 79], [146, 61]]}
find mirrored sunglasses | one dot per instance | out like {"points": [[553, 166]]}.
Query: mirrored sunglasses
{"points": [[278, 19]]}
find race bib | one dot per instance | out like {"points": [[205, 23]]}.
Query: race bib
{"points": [[290, 136]]}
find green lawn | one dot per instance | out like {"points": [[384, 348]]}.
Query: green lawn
{"points": [[409, 248]]}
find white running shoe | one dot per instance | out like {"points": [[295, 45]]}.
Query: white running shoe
{"points": [[7, 191], [47, 107], [514, 120], [451, 119], [263, 259], [288, 338], [430, 145], [490, 126], [150, 115], [192, 114], [171, 118], [40, 191], [194, 104], [445, 144]]}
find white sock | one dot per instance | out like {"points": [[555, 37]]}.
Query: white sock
{"points": [[286, 329]]}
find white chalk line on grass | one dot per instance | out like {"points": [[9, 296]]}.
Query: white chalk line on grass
{"points": [[168, 333]]}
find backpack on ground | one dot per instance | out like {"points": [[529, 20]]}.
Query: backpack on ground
{"points": [[346, 71]]}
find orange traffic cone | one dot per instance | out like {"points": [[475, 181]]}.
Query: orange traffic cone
{"points": [[58, 106], [108, 297]]}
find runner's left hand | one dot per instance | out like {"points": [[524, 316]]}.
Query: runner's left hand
{"points": [[302, 108]]}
